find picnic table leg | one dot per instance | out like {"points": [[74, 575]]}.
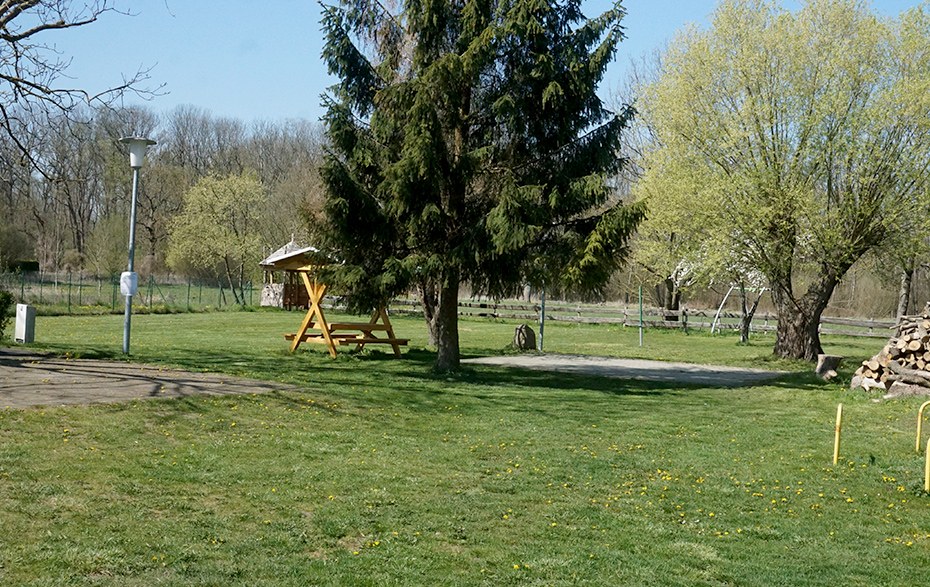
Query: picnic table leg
{"points": [[382, 311], [368, 333], [380, 315], [315, 292], [303, 329]]}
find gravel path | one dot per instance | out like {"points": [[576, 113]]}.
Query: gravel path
{"points": [[709, 375]]}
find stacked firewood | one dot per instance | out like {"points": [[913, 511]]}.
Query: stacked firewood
{"points": [[905, 359]]}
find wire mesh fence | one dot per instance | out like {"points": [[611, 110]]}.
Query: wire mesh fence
{"points": [[63, 293], [82, 293]]}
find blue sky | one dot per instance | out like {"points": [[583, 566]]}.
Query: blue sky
{"points": [[261, 60]]}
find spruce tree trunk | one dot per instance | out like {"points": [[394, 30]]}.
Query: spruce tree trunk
{"points": [[447, 324]]}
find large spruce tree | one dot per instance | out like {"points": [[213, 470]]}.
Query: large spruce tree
{"points": [[468, 145]]}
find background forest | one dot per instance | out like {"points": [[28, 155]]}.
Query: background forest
{"points": [[71, 213]]}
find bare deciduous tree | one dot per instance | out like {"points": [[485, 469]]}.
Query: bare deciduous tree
{"points": [[32, 71]]}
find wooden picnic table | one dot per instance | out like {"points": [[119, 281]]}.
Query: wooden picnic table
{"points": [[341, 333], [315, 328]]}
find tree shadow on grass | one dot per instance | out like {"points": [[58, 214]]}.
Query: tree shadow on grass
{"points": [[306, 366], [412, 383]]}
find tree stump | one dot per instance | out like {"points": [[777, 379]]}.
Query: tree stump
{"points": [[524, 338], [827, 365]]}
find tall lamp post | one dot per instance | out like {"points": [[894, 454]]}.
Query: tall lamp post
{"points": [[129, 281]]}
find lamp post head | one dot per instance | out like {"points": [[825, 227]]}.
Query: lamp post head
{"points": [[137, 147]]}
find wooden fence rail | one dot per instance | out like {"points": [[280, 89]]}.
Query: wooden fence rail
{"points": [[652, 317]]}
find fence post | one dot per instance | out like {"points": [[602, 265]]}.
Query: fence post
{"points": [[219, 297], [188, 293], [81, 288], [640, 315], [40, 287], [113, 280], [200, 295], [22, 286], [69, 292], [542, 317]]}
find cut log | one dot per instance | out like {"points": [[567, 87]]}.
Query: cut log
{"points": [[899, 389], [872, 364], [906, 357], [910, 375], [828, 364], [865, 383]]}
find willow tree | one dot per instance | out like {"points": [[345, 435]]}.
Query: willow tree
{"points": [[811, 131], [217, 230], [468, 145]]}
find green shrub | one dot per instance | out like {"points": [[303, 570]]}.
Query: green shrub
{"points": [[7, 309]]}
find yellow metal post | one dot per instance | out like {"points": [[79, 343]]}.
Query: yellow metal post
{"points": [[920, 422], [839, 426], [927, 470]]}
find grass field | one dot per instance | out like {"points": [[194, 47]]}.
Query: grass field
{"points": [[379, 472]]}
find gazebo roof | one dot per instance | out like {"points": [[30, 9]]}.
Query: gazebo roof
{"points": [[291, 257]]}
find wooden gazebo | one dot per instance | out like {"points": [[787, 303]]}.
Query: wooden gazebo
{"points": [[298, 265]]}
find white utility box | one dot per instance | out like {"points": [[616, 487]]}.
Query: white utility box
{"points": [[25, 324], [129, 283]]}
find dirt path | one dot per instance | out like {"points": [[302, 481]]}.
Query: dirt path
{"points": [[710, 375], [28, 379]]}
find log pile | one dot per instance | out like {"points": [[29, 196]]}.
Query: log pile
{"points": [[905, 360]]}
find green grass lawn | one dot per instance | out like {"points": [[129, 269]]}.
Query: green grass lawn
{"points": [[379, 472]]}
